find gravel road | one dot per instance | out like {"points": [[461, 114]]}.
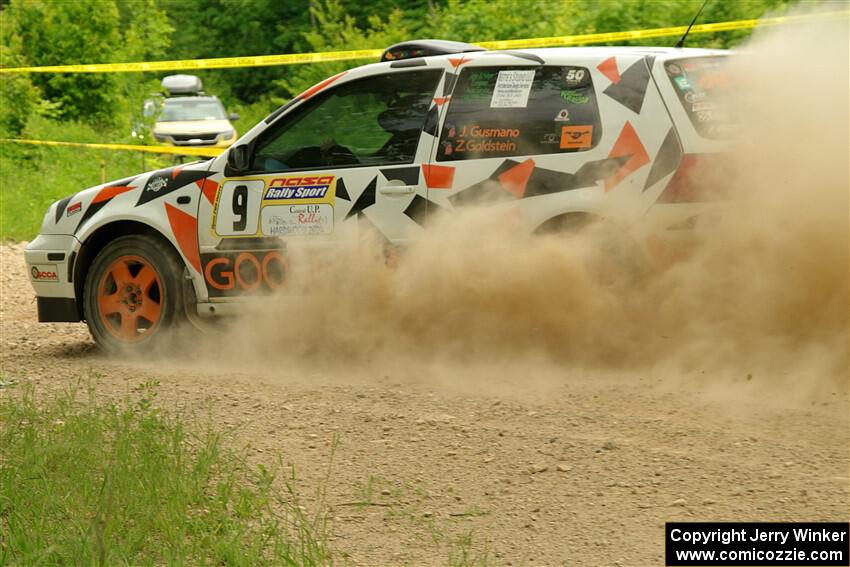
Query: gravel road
{"points": [[539, 463]]}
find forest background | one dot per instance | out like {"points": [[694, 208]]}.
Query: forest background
{"points": [[105, 107]]}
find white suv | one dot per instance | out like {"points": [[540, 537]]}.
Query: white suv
{"points": [[559, 134]]}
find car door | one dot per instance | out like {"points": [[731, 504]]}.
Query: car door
{"points": [[549, 134], [342, 161]]}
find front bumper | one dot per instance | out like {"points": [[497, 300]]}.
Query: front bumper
{"points": [[220, 141], [50, 267]]}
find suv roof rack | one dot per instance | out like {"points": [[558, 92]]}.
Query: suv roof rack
{"points": [[426, 48]]}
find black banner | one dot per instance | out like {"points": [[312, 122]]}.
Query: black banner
{"points": [[757, 543]]}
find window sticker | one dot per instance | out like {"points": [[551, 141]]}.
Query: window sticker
{"points": [[512, 89], [481, 140], [703, 87], [574, 97], [563, 116], [574, 77], [476, 129], [682, 83], [576, 136]]}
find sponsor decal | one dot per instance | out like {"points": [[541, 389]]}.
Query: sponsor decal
{"points": [[701, 106], [682, 83], [574, 97], [44, 273], [512, 89], [476, 131], [241, 273], [484, 146], [673, 69], [297, 220], [709, 81], [166, 181], [156, 184], [695, 96], [563, 116], [307, 187], [550, 138], [574, 77], [73, 209], [474, 138], [576, 137]]}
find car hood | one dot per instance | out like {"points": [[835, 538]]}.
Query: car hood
{"points": [[138, 197], [192, 127]]}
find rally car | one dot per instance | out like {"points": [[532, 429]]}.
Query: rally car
{"points": [[558, 135]]}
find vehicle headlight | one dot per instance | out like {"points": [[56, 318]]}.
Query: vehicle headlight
{"points": [[227, 134], [160, 137], [49, 216]]}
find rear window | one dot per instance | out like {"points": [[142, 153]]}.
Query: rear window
{"points": [[514, 111], [703, 87]]}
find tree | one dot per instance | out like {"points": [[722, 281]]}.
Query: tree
{"points": [[39, 32]]}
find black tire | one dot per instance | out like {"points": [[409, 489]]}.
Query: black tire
{"points": [[129, 312], [613, 257]]}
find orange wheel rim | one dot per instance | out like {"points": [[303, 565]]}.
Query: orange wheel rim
{"points": [[130, 298]]}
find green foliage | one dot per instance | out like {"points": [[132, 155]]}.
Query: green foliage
{"points": [[86, 482], [32, 177], [334, 30], [50, 36], [229, 28], [482, 20], [40, 32]]}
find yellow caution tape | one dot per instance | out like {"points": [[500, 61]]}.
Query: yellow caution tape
{"points": [[181, 151], [650, 33], [297, 58]]}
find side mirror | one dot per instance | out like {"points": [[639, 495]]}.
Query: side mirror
{"points": [[238, 159], [233, 116], [149, 108]]}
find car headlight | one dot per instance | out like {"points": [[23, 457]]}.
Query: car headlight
{"points": [[160, 137], [227, 134], [49, 216]]}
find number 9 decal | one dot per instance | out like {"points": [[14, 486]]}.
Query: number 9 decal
{"points": [[238, 208]]}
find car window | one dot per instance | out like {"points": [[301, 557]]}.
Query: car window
{"points": [[702, 85], [515, 111], [376, 120], [178, 109]]}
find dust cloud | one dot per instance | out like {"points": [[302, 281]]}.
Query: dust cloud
{"points": [[763, 292]]}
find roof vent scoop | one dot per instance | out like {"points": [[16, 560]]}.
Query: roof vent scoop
{"points": [[426, 48]]}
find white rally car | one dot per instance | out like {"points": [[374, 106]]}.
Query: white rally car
{"points": [[560, 134]]}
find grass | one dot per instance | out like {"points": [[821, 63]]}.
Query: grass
{"points": [[84, 482], [32, 177]]}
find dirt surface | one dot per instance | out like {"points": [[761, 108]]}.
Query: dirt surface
{"points": [[487, 400], [520, 463]]}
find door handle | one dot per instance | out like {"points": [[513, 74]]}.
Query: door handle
{"points": [[398, 190]]}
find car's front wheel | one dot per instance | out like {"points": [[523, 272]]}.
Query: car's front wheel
{"points": [[133, 298]]}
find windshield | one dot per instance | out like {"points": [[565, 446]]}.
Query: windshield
{"points": [[178, 109], [703, 87]]}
